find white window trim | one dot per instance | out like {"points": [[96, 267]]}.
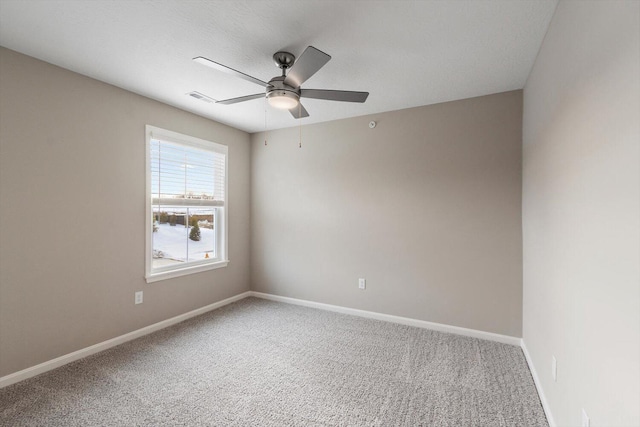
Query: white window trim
{"points": [[155, 132]]}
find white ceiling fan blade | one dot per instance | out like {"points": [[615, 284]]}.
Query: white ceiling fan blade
{"points": [[306, 66], [334, 95], [209, 63], [240, 99], [299, 112]]}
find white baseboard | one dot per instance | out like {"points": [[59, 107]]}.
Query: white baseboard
{"points": [[71, 357], [536, 381], [76, 355], [505, 339]]}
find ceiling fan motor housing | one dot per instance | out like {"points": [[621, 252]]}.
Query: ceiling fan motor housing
{"points": [[279, 89]]}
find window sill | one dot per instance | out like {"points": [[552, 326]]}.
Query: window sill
{"points": [[155, 277]]}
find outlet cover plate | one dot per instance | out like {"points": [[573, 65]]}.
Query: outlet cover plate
{"points": [[138, 297], [362, 284]]}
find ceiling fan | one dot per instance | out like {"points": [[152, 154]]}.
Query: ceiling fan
{"points": [[284, 91]]}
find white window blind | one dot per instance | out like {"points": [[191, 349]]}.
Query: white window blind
{"points": [[185, 175]]}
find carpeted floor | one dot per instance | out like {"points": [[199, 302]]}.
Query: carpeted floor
{"points": [[263, 363]]}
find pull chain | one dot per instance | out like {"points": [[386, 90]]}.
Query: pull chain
{"points": [[299, 125], [266, 132]]}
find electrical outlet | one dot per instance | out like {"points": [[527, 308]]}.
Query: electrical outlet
{"points": [[585, 419], [362, 284], [554, 368], [138, 299]]}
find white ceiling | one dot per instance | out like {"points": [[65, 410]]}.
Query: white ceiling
{"points": [[405, 53]]}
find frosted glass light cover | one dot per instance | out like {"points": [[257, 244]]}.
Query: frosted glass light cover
{"points": [[282, 100]]}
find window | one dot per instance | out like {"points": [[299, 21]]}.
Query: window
{"points": [[186, 204]]}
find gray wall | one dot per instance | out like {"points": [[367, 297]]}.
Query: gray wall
{"points": [[426, 207], [581, 213], [72, 213]]}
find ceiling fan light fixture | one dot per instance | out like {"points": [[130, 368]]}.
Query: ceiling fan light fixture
{"points": [[283, 99]]}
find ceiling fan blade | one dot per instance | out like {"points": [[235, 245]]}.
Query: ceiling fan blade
{"points": [[334, 95], [209, 63], [299, 112], [306, 66], [240, 99]]}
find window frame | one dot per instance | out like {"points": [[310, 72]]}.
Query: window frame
{"points": [[221, 221]]}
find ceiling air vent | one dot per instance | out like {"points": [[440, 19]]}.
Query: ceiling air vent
{"points": [[201, 97]]}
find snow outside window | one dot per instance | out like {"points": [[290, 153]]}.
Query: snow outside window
{"points": [[186, 204]]}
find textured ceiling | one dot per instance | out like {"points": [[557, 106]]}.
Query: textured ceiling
{"points": [[405, 53]]}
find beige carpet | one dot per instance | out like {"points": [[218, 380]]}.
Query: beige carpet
{"points": [[262, 363]]}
